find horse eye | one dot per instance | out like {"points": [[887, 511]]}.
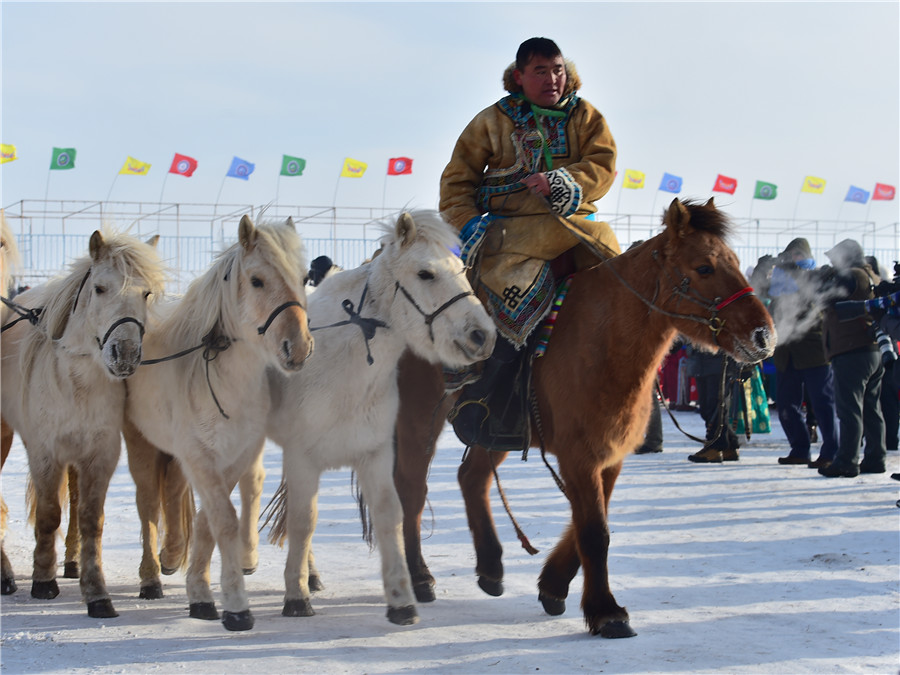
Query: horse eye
{"points": [[425, 275], [99, 290], [257, 282], [705, 270]]}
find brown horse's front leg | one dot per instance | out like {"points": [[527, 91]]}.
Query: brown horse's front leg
{"points": [[588, 492], [423, 410], [475, 474]]}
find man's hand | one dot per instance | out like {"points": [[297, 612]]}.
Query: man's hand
{"points": [[538, 184]]}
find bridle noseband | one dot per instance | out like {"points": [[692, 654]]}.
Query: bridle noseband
{"points": [[275, 312], [429, 318]]}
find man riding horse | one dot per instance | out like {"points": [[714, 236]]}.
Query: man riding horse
{"points": [[520, 188]]}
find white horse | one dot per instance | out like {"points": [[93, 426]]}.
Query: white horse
{"points": [[63, 390], [208, 409], [413, 294], [9, 262]]}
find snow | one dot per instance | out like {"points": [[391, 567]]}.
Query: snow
{"points": [[743, 567]]}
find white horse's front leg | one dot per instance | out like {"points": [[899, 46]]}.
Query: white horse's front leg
{"points": [[375, 474], [219, 518], [302, 484], [251, 488]]}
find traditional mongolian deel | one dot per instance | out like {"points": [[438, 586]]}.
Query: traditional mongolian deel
{"points": [[524, 231]]}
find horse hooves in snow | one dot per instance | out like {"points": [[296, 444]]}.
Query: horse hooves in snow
{"points": [[424, 591], [315, 583], [248, 571], [44, 590], [553, 606], [403, 616], [8, 586], [237, 620], [152, 591], [102, 609], [615, 629], [491, 587], [203, 610], [299, 607], [70, 570]]}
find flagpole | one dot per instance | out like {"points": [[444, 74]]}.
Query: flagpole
{"points": [[653, 208], [277, 190], [220, 189], [334, 214], [111, 187], [46, 192], [619, 197], [796, 204], [384, 195]]}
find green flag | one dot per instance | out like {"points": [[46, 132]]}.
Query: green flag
{"points": [[63, 158], [765, 190], [292, 166]]}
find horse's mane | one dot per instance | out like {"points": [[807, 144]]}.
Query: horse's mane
{"points": [[209, 301], [430, 226], [10, 252], [707, 218], [133, 259]]}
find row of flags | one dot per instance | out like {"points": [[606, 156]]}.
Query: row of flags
{"points": [[635, 180], [64, 159]]}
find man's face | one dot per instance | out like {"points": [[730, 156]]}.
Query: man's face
{"points": [[543, 80]]}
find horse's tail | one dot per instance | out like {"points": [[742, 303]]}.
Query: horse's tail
{"points": [[167, 472], [276, 513], [31, 496], [365, 518]]}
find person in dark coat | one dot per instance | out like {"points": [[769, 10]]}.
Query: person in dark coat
{"points": [[858, 370], [721, 441]]}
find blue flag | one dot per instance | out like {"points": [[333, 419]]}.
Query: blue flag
{"points": [[240, 168], [670, 183], [858, 195]]}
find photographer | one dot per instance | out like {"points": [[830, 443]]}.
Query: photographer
{"points": [[856, 361]]}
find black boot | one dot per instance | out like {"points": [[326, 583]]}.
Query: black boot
{"points": [[492, 412]]}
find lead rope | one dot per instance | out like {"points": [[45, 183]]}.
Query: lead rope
{"points": [[519, 533]]}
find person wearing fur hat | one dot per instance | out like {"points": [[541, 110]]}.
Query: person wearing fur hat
{"points": [[799, 359], [520, 187], [858, 370]]}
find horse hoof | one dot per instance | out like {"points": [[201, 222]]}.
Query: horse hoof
{"points": [[315, 584], [424, 592], [102, 609], [168, 571], [8, 586], [152, 591], [237, 620], [44, 590], [403, 616], [248, 571], [553, 606], [615, 629], [301, 607], [70, 570], [203, 610], [490, 586]]}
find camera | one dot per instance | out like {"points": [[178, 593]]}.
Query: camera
{"points": [[886, 345]]}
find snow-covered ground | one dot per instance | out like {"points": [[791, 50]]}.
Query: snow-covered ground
{"points": [[743, 567]]}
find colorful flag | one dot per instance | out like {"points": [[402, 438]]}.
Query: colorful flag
{"points": [[134, 167], [633, 179], [183, 165], [725, 184], [813, 184], [7, 153], [858, 195], [63, 158], [353, 168], [670, 183], [399, 165], [292, 166], [883, 191], [240, 168], [765, 190]]}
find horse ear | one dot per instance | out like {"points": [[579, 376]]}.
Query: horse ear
{"points": [[153, 241], [97, 246], [406, 229], [247, 233], [677, 218], [290, 222], [711, 204]]}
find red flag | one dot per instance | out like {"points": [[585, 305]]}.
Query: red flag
{"points": [[184, 165], [399, 165], [883, 191], [725, 184]]}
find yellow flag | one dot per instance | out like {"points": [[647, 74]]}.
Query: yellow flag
{"points": [[7, 153], [353, 168], [633, 180], [813, 184], [134, 167]]}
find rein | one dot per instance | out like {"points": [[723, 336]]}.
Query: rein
{"points": [[33, 316]]}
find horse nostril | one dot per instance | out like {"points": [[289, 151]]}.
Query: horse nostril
{"points": [[761, 338], [115, 352], [479, 337]]}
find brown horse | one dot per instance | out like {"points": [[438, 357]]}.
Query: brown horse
{"points": [[592, 391]]}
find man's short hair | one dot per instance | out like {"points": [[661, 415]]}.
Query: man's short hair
{"points": [[536, 46]]}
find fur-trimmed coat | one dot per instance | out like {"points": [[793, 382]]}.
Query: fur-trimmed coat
{"points": [[495, 152]]}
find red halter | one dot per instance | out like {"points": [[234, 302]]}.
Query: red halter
{"points": [[740, 294]]}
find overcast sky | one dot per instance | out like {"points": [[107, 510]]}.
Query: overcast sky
{"points": [[766, 91]]}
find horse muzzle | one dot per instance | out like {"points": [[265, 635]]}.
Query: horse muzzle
{"points": [[122, 357]]}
